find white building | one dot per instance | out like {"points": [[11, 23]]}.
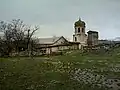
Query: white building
{"points": [[79, 35], [55, 44]]}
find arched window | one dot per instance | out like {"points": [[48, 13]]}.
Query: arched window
{"points": [[78, 30], [82, 29], [75, 38]]}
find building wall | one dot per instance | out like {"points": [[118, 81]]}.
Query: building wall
{"points": [[93, 38], [60, 41], [48, 50], [56, 49], [80, 38]]}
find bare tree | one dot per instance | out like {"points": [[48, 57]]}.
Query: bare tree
{"points": [[15, 32], [29, 33], [6, 42]]}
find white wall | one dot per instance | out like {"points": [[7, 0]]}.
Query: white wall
{"points": [[60, 41]]}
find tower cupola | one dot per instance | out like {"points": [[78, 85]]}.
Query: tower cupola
{"points": [[79, 23]]}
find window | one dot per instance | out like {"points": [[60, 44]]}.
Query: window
{"points": [[75, 39], [82, 29], [78, 30], [44, 51]]}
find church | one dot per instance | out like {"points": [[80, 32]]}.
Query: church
{"points": [[80, 39], [79, 34]]}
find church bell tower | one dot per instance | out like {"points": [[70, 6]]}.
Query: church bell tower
{"points": [[79, 34]]}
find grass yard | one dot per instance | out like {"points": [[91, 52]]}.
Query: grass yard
{"points": [[74, 71]]}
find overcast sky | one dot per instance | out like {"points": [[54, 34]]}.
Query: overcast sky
{"points": [[57, 17]]}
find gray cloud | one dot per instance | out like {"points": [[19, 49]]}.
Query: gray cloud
{"points": [[58, 16]]}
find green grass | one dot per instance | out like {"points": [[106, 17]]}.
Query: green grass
{"points": [[53, 73]]}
